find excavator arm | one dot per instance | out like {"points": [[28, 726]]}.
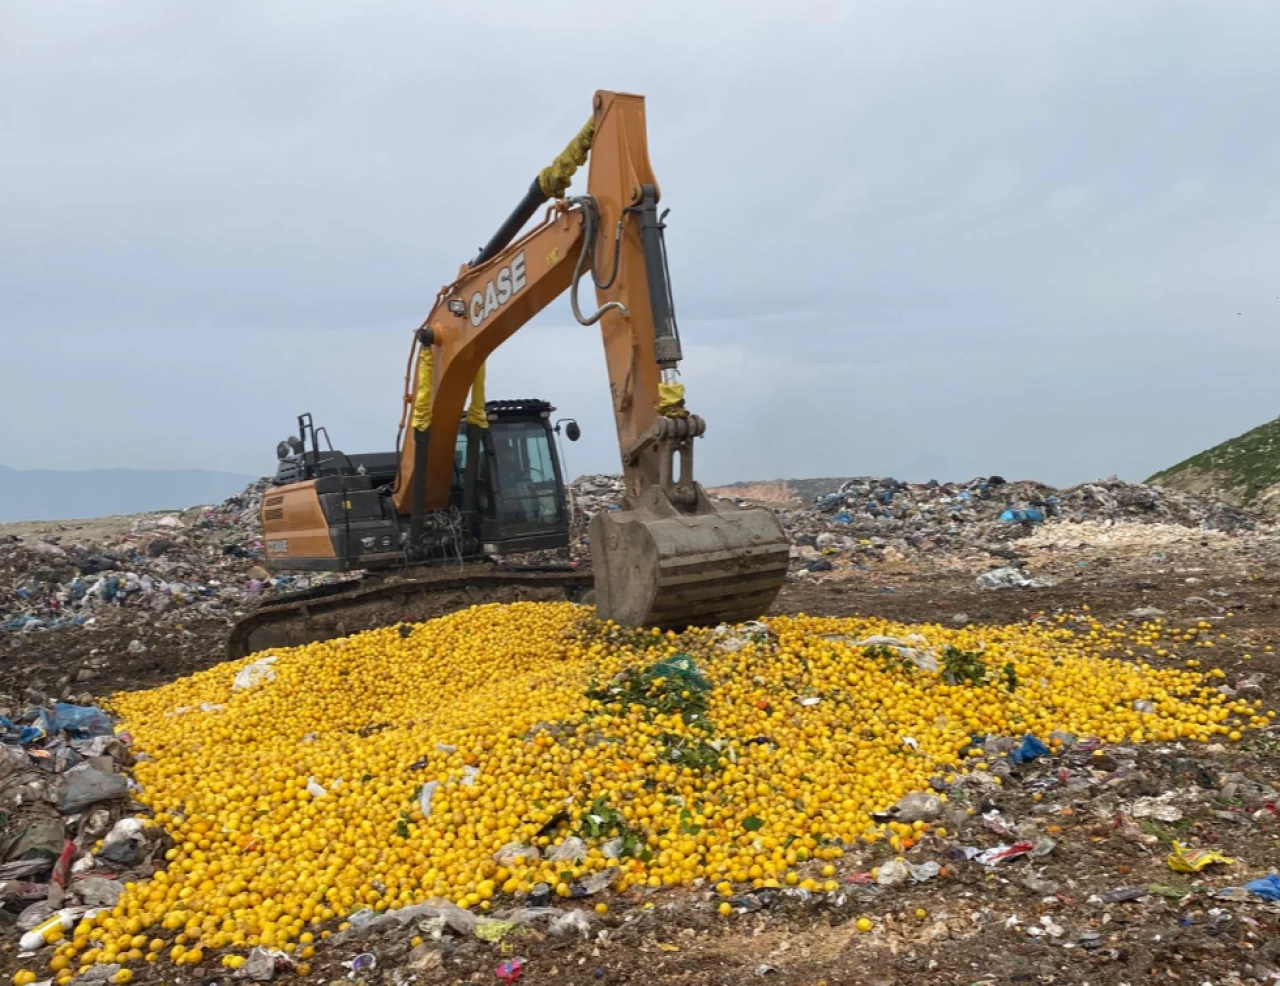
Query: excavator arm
{"points": [[670, 556]]}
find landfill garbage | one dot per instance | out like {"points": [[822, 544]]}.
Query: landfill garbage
{"points": [[49, 930], [1010, 578], [893, 873], [1024, 515], [492, 929], [998, 854], [425, 958], [570, 922], [98, 973], [1029, 749], [1122, 894], [571, 850], [1268, 887], [426, 794], [595, 882], [258, 673], [914, 807], [364, 962], [1183, 860], [924, 872], [365, 924], [509, 971], [98, 890], [83, 786], [514, 851], [1157, 808], [262, 964]]}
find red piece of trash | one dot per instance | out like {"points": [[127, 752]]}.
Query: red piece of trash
{"points": [[62, 868], [510, 971]]}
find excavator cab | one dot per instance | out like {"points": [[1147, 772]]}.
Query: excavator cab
{"points": [[507, 496], [519, 502]]}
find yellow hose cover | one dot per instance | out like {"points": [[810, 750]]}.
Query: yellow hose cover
{"points": [[422, 395], [555, 178], [671, 400], [475, 410]]}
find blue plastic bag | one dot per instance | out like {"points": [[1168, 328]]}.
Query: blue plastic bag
{"points": [[1268, 888], [1023, 515], [81, 720], [1029, 749], [36, 730]]}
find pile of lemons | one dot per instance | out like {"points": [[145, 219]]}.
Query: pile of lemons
{"points": [[480, 754]]}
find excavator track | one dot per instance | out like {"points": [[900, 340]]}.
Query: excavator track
{"points": [[339, 609]]}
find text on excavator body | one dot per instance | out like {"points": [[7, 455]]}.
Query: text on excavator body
{"points": [[498, 290]]}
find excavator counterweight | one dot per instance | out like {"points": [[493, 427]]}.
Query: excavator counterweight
{"points": [[474, 482]]}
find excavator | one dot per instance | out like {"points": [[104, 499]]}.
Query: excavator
{"points": [[435, 524]]}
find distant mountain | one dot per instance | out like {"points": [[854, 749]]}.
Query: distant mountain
{"points": [[1244, 471], [47, 494]]}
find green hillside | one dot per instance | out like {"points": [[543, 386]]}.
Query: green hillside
{"points": [[1242, 470]]}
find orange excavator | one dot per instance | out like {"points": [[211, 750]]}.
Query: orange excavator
{"points": [[473, 483]]}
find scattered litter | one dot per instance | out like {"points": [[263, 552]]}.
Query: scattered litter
{"points": [[514, 851], [1122, 894], [258, 673], [596, 882], [261, 964], [510, 970], [914, 807], [571, 850], [1029, 749], [492, 929], [998, 854], [424, 958], [1011, 578], [1157, 808], [83, 786], [1183, 860], [364, 962], [1268, 888], [425, 794], [98, 891], [569, 922]]}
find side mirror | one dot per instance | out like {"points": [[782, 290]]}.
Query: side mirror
{"points": [[572, 431]]}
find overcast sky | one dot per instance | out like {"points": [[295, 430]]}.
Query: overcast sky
{"points": [[912, 238]]}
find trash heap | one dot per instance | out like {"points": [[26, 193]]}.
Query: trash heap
{"points": [[166, 568], [72, 836], [588, 496], [885, 519], [507, 758]]}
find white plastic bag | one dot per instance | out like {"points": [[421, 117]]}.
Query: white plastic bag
{"points": [[255, 674]]}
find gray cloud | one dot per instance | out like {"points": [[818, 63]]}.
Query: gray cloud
{"points": [[921, 237]]}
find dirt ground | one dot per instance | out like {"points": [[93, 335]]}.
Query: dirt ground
{"points": [[1042, 921]]}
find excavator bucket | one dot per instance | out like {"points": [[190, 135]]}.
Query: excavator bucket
{"points": [[658, 566]]}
